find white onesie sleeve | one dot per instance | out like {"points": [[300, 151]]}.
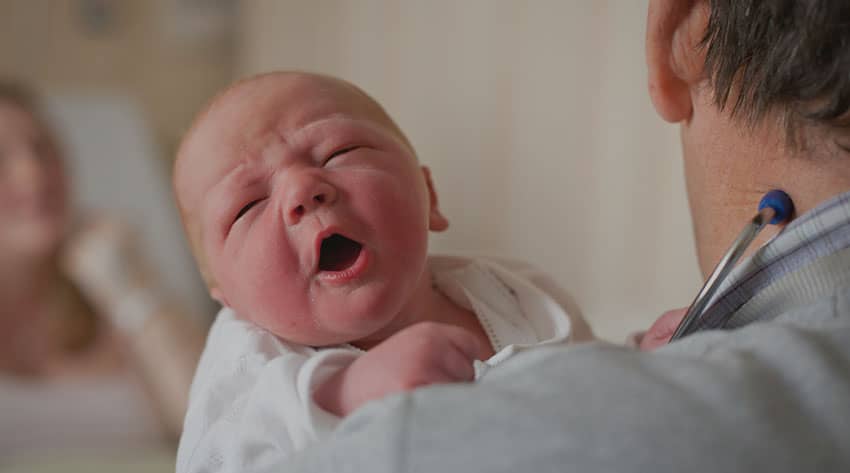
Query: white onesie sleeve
{"points": [[251, 402]]}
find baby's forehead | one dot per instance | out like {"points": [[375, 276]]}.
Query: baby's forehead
{"points": [[240, 120], [297, 99], [284, 103]]}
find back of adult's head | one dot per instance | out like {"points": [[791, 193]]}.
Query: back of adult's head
{"points": [[787, 60]]}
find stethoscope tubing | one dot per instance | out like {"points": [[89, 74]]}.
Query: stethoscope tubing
{"points": [[689, 323]]}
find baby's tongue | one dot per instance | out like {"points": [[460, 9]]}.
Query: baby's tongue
{"points": [[338, 253]]}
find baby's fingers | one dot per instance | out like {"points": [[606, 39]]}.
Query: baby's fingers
{"points": [[464, 342], [461, 349], [458, 365]]}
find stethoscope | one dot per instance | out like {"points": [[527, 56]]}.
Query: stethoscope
{"points": [[774, 208]]}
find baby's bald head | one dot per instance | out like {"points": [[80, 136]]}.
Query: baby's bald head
{"points": [[238, 121]]}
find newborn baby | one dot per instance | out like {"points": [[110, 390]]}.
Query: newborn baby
{"points": [[309, 214]]}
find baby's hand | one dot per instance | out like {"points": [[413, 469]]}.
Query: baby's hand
{"points": [[422, 354]]}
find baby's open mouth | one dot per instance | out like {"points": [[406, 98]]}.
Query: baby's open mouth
{"points": [[338, 253]]}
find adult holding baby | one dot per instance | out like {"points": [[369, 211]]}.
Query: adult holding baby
{"points": [[761, 91], [310, 223], [92, 354]]}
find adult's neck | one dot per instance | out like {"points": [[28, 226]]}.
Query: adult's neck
{"points": [[738, 169]]}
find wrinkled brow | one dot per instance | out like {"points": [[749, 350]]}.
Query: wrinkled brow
{"points": [[219, 197]]}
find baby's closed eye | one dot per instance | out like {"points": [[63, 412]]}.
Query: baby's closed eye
{"points": [[245, 209], [340, 152]]}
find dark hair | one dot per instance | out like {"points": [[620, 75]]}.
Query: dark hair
{"points": [[791, 57]]}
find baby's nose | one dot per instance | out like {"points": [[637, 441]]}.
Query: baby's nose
{"points": [[307, 196]]}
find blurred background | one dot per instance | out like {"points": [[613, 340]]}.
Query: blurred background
{"points": [[533, 116]]}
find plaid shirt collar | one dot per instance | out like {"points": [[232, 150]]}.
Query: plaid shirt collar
{"points": [[823, 231]]}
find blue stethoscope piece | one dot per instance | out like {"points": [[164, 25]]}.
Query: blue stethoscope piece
{"points": [[774, 208], [781, 204]]}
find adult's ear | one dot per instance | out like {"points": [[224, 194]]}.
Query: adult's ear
{"points": [[674, 56], [436, 221]]}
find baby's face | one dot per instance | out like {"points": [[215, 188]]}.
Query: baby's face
{"points": [[313, 212]]}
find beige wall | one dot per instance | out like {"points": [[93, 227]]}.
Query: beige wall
{"points": [[143, 76], [145, 54], [533, 115], [535, 119]]}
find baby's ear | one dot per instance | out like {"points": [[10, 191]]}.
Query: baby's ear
{"points": [[436, 221], [216, 294]]}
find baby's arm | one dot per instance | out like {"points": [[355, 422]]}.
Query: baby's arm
{"points": [[422, 354], [251, 400]]}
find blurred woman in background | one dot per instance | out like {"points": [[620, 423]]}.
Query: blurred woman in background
{"points": [[92, 356]]}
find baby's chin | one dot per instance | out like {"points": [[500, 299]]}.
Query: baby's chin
{"points": [[321, 339], [338, 316], [337, 328], [346, 332]]}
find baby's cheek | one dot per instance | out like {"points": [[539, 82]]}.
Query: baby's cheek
{"points": [[285, 312], [263, 280], [407, 223], [399, 202], [277, 282], [275, 303], [404, 233]]}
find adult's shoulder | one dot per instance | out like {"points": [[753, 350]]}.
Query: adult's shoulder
{"points": [[769, 397]]}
